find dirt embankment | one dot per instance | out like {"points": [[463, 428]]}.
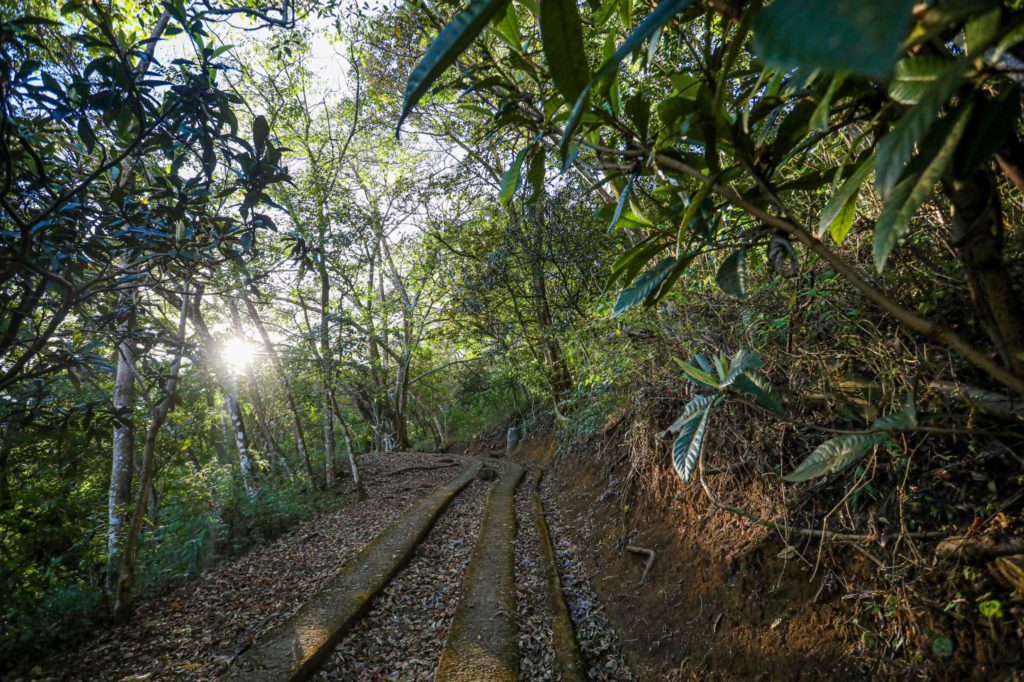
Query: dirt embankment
{"points": [[721, 600]]}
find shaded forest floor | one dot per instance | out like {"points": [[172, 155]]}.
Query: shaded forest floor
{"points": [[195, 631]]}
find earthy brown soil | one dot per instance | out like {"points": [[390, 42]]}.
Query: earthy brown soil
{"points": [[738, 613]]}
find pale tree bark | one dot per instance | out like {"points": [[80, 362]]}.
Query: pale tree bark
{"points": [[275, 360], [326, 367], [235, 412], [229, 392], [356, 479], [123, 593], [123, 455]]}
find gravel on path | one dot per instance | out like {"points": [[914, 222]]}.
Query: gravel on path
{"points": [[402, 635], [599, 643], [537, 662]]}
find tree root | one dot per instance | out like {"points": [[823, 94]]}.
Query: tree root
{"points": [[649, 553]]}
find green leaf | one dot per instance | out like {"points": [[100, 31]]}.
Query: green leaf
{"points": [[643, 286], [835, 455], [896, 148], [700, 376], [508, 29], [535, 173], [260, 132], [819, 119], [561, 36], [621, 203], [843, 223], [846, 194], [744, 361], [981, 31], [635, 259], [687, 446], [512, 179], [451, 42], [860, 36], [763, 392], [942, 647], [894, 220], [915, 76], [638, 108], [661, 15], [86, 132], [692, 409], [991, 123], [732, 274]]}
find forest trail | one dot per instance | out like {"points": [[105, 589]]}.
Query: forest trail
{"points": [[459, 582]]}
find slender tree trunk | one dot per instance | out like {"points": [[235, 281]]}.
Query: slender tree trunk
{"points": [[239, 434], [558, 372], [360, 487], [275, 359], [327, 368], [229, 391], [237, 418], [6, 445], [978, 239], [123, 460], [123, 594]]}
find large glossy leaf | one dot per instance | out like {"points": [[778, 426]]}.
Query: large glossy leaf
{"points": [[744, 361], [627, 266], [643, 286], [914, 76], [562, 38], [512, 179], [693, 409], [453, 39], [844, 195], [835, 455], [661, 15], [896, 148], [621, 203], [701, 376], [687, 446], [760, 389], [894, 220], [732, 274], [860, 36]]}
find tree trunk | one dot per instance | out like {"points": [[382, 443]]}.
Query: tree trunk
{"points": [[240, 435], [360, 488], [978, 240], [275, 359], [558, 372], [123, 455], [123, 593], [326, 368], [229, 391], [6, 445]]}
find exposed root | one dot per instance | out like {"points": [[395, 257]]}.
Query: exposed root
{"points": [[649, 553]]}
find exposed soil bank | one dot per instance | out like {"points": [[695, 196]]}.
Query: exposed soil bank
{"points": [[697, 614]]}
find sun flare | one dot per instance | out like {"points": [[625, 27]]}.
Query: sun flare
{"points": [[238, 353]]}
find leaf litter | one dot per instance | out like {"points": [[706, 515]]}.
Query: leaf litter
{"points": [[402, 635], [196, 630]]}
